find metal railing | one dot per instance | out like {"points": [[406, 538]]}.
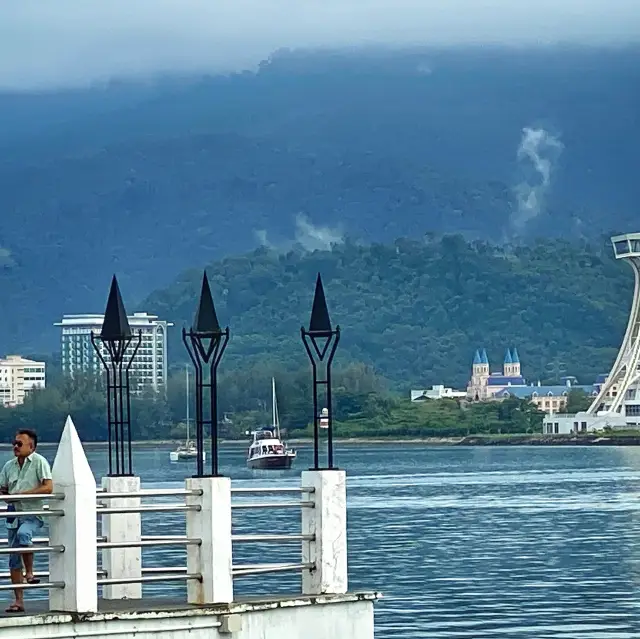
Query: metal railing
{"points": [[165, 573], [244, 570], [155, 574], [36, 549]]}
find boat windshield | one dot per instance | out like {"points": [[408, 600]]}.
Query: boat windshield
{"points": [[264, 434]]}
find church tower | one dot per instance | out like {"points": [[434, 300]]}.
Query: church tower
{"points": [[477, 388], [511, 363], [515, 363], [507, 369]]}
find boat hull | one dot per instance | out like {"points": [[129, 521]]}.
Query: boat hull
{"points": [[271, 462], [178, 457]]}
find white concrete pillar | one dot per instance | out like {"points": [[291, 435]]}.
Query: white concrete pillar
{"points": [[122, 563], [328, 522], [212, 524], [76, 530]]}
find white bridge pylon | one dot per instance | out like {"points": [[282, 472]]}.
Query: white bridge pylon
{"points": [[626, 369]]}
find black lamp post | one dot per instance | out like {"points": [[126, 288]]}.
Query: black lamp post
{"points": [[206, 343], [121, 347], [320, 342]]}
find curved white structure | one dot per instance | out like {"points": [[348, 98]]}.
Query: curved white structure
{"points": [[619, 393]]}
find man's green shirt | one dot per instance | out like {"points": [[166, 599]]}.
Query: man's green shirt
{"points": [[16, 480]]}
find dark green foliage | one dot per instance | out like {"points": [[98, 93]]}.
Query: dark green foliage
{"points": [[362, 408], [416, 310], [148, 180]]}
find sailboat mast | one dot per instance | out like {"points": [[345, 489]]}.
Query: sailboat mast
{"points": [[186, 370], [274, 408]]}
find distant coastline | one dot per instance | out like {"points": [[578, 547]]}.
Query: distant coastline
{"points": [[589, 439]]}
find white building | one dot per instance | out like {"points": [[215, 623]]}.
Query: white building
{"points": [[439, 391], [19, 376], [617, 401], [149, 367]]}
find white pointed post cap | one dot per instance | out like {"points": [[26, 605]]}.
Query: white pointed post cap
{"points": [[71, 465]]}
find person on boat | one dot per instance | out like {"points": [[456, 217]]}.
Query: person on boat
{"points": [[28, 473]]}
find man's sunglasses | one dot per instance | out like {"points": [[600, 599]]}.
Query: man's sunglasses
{"points": [[17, 444]]}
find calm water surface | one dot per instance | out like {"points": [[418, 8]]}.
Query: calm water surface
{"points": [[463, 542]]}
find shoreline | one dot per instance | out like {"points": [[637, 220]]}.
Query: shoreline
{"points": [[590, 439]]}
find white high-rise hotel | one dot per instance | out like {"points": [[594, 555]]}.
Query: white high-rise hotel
{"points": [[149, 367]]}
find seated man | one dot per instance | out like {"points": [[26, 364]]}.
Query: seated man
{"points": [[28, 473]]}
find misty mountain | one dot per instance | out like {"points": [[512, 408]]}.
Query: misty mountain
{"points": [[148, 179]]}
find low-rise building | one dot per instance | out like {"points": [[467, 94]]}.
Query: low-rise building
{"points": [[550, 399], [439, 391], [18, 377]]}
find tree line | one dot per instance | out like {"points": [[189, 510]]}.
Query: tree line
{"points": [[364, 406]]}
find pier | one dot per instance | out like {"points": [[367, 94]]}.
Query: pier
{"points": [[86, 521]]}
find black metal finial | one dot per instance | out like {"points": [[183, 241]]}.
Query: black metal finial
{"points": [[324, 340], [206, 343], [115, 325], [206, 319], [320, 321], [116, 338]]}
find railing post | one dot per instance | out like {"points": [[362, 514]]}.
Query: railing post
{"points": [[212, 525], [76, 567], [327, 521], [122, 563]]}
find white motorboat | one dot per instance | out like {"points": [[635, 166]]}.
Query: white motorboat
{"points": [[267, 451]]}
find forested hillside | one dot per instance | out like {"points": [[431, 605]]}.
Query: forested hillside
{"points": [[313, 147], [416, 310]]}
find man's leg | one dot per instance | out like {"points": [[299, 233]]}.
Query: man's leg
{"points": [[15, 570], [26, 530]]}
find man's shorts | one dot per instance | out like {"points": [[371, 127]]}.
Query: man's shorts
{"points": [[21, 537]]}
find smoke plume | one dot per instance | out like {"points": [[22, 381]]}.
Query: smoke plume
{"points": [[307, 236], [538, 154]]}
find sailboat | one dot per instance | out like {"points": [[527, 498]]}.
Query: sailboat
{"points": [[267, 451], [188, 450]]}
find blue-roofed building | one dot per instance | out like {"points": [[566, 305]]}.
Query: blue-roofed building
{"points": [[509, 382], [550, 399], [484, 384]]}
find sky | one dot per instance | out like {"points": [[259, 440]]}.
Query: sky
{"points": [[73, 43]]}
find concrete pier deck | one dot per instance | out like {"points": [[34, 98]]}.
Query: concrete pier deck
{"points": [[167, 605]]}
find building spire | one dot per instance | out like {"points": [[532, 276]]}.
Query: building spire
{"points": [[515, 358], [476, 358], [507, 358], [485, 359]]}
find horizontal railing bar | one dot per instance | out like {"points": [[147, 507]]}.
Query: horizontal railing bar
{"points": [[47, 584], [148, 579], [160, 508], [54, 496], [7, 575], [151, 492], [31, 513], [166, 570], [282, 504], [45, 540], [150, 542], [265, 538], [261, 569], [271, 490], [29, 549]]}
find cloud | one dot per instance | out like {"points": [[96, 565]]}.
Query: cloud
{"points": [[307, 236], [60, 43], [538, 154]]}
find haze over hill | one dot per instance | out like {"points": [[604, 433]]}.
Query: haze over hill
{"points": [[159, 167]]}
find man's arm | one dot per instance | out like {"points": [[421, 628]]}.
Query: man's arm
{"points": [[4, 481], [45, 488]]}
